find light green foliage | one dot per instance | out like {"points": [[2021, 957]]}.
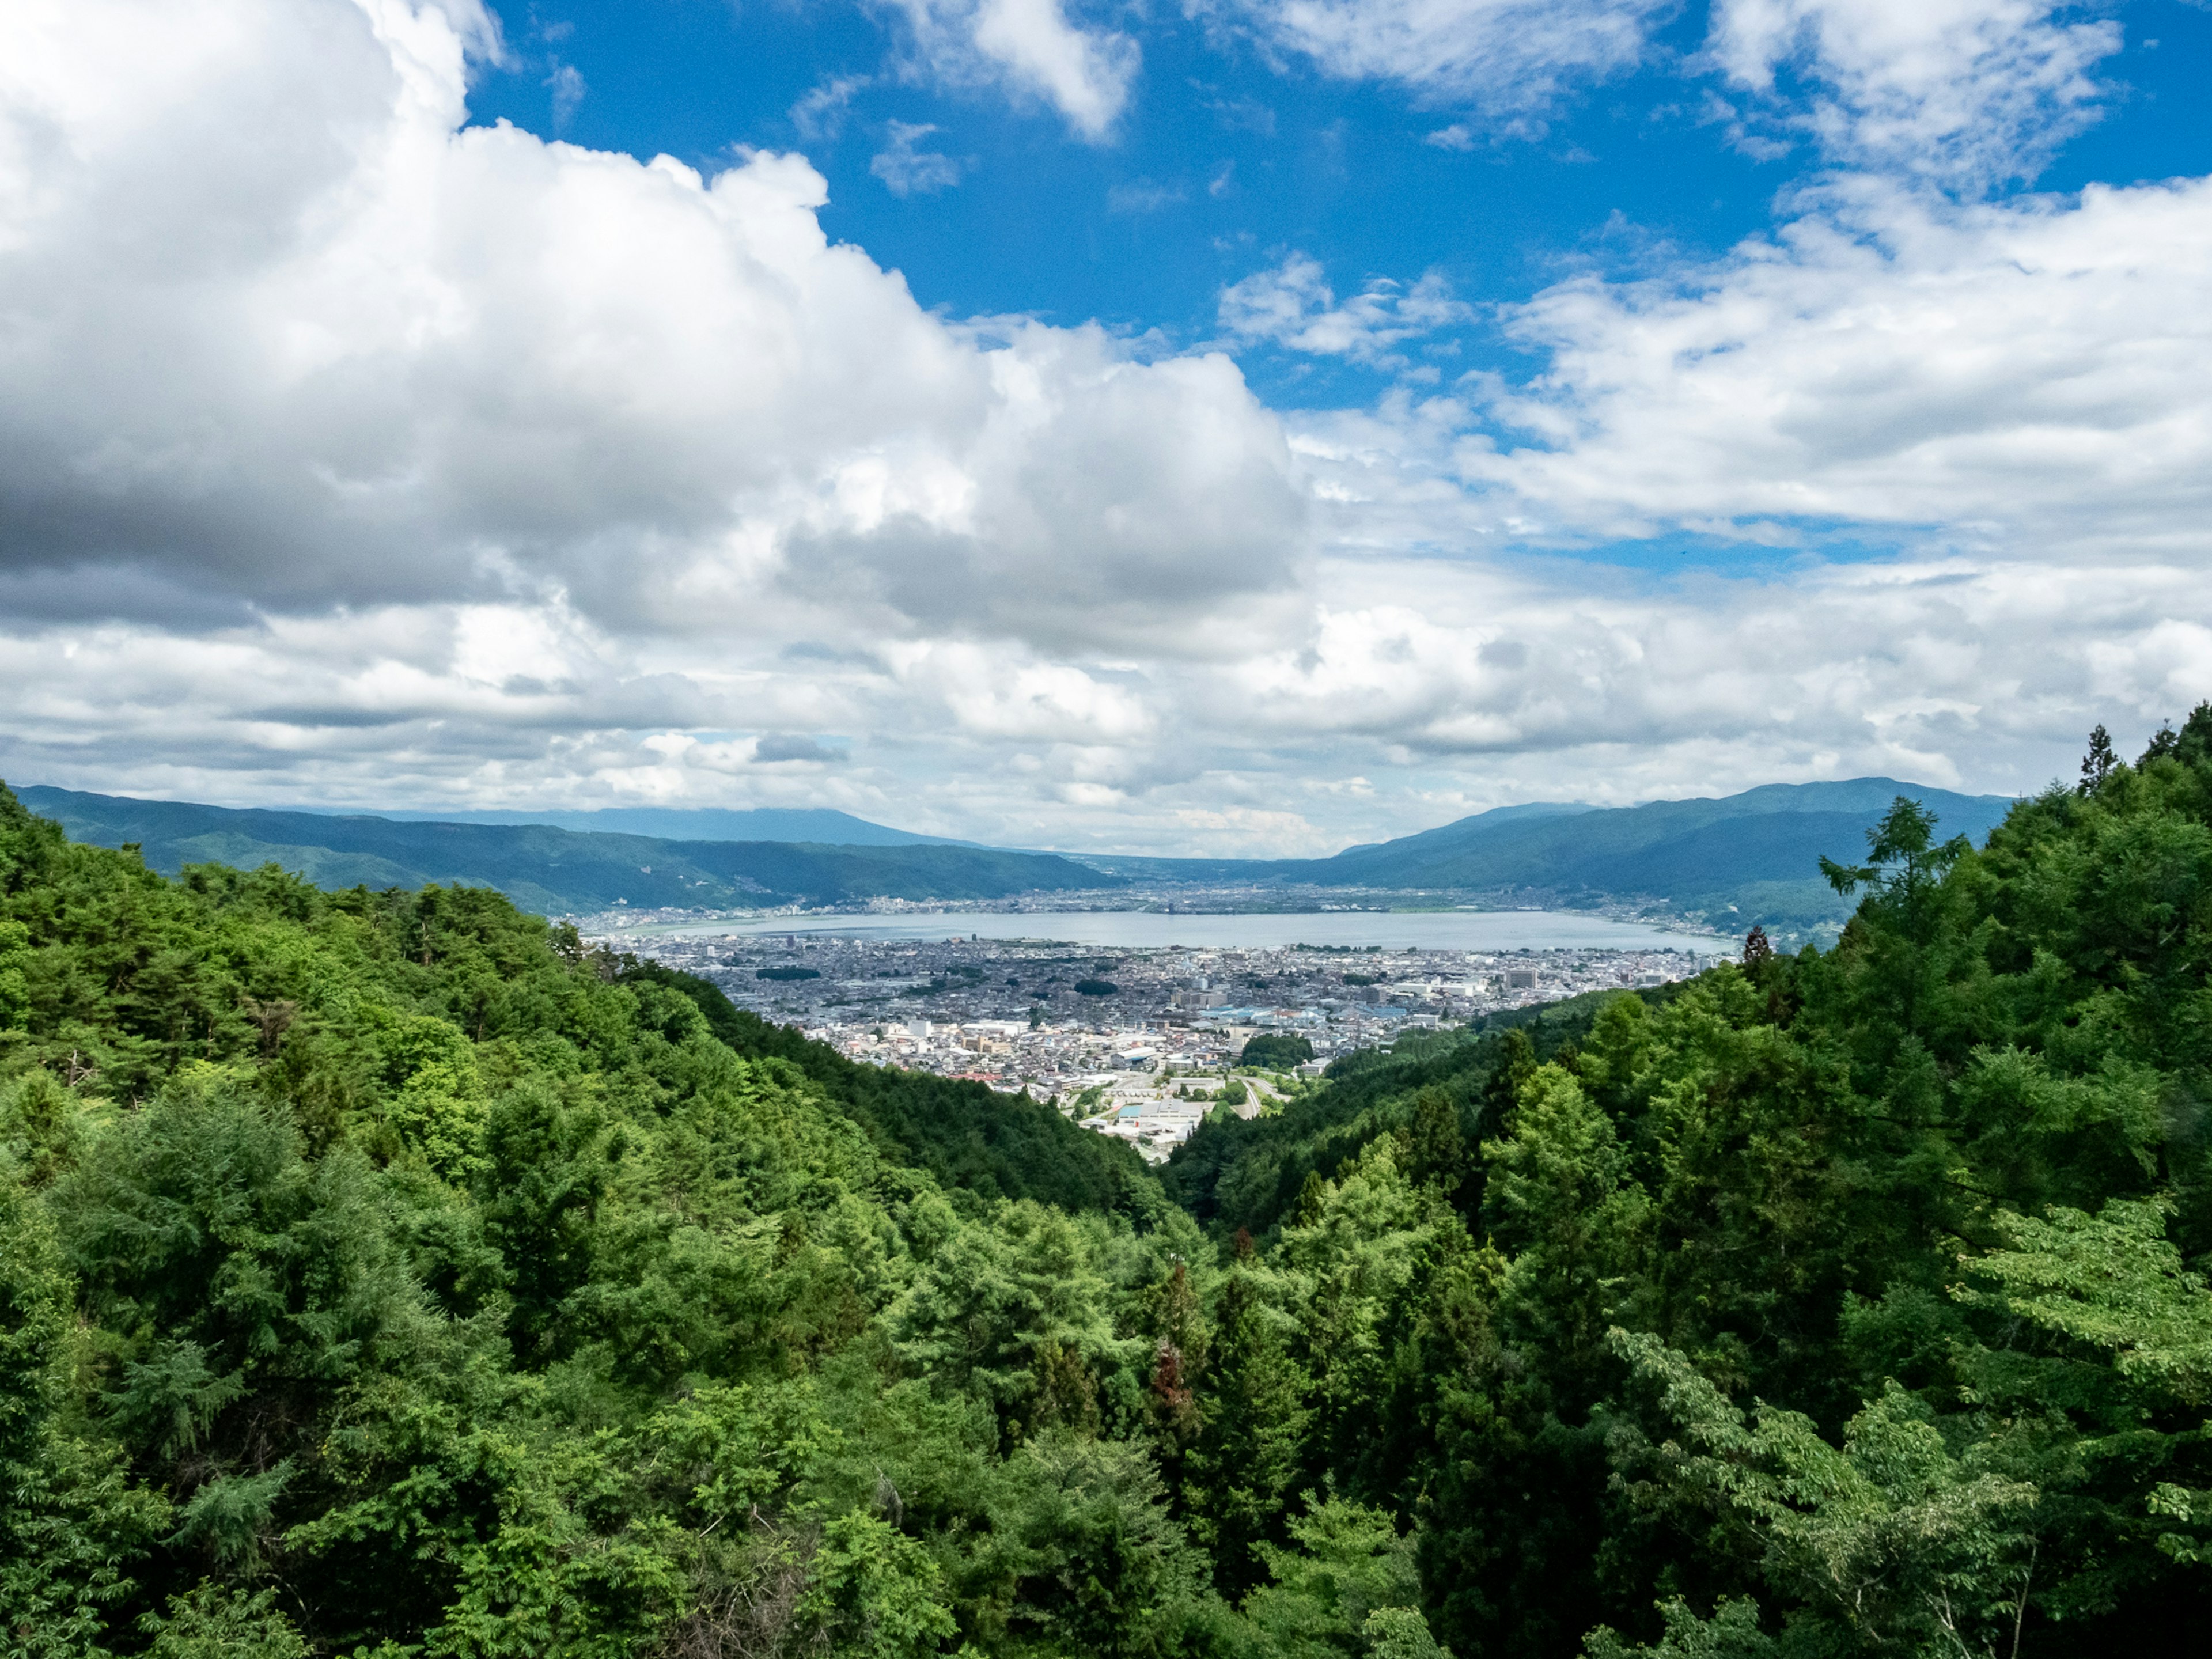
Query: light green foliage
{"points": [[1558, 1165], [1346, 1268], [1344, 1586], [1251, 1444], [877, 1593], [1889, 1539], [1021, 1312], [1560, 1203], [2115, 1282], [438, 1110], [214, 1622], [1400, 1633], [1617, 1052], [388, 1274], [15, 989], [1093, 1560], [1732, 1632]]}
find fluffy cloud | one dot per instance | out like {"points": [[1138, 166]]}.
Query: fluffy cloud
{"points": [[335, 427], [2031, 378], [346, 350], [1030, 49], [1462, 685], [351, 454], [1508, 57], [1970, 91], [909, 170], [1293, 305]]}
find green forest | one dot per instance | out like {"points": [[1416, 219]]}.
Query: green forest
{"points": [[391, 1273]]}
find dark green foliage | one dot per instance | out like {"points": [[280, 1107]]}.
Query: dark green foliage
{"points": [[389, 1267], [1096, 988], [786, 974], [1276, 1050], [546, 868], [2097, 765], [1842, 1303], [1247, 1173], [966, 1134], [386, 1268], [1250, 1445]]}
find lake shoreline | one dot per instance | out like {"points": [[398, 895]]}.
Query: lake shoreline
{"points": [[1477, 930]]}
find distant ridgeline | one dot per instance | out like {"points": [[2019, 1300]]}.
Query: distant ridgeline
{"points": [[1730, 862], [553, 870], [1743, 859], [388, 1273]]}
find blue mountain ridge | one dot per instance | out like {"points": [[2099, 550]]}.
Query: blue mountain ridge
{"points": [[1728, 861], [552, 870], [820, 826]]}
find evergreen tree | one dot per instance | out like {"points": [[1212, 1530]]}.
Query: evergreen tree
{"points": [[1251, 1442], [1437, 1147], [2097, 765]]}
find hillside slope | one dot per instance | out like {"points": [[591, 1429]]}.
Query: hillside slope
{"points": [[820, 826], [542, 868], [1733, 860], [390, 1272]]}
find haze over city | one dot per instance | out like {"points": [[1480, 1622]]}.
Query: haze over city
{"points": [[1242, 429]]}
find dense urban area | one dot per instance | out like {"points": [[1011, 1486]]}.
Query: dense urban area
{"points": [[1141, 1044]]}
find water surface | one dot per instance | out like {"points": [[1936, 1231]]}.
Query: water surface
{"points": [[1136, 930]]}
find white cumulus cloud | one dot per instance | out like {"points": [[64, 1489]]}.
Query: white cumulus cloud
{"points": [[1292, 305], [906, 168], [1972, 91], [352, 454], [1510, 58], [2033, 377], [1032, 50]]}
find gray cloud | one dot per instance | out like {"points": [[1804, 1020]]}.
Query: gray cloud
{"points": [[348, 456], [772, 751]]}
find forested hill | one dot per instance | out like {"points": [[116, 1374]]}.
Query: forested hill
{"points": [[1737, 860], [387, 1274], [820, 826], [966, 1134], [548, 869], [1744, 858]]}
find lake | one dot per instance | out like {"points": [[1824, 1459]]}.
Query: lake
{"points": [[1137, 930]]}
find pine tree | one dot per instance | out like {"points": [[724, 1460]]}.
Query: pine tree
{"points": [[1438, 1152], [1179, 1361], [1251, 1444], [1515, 1065], [2097, 765]]}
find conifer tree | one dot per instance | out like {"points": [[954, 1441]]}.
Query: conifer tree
{"points": [[2097, 765], [1438, 1150], [1250, 1448]]}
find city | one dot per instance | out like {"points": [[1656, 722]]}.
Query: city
{"points": [[1137, 1043]]}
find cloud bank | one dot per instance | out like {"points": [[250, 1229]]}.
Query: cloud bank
{"points": [[352, 454], [1510, 58]]}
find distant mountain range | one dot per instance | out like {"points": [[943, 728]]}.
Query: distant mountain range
{"points": [[1728, 862], [553, 870], [820, 826], [1754, 856]]}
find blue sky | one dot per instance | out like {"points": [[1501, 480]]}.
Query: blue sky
{"points": [[1255, 426], [1228, 157]]}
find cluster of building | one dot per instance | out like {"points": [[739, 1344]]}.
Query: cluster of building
{"points": [[1138, 1043]]}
